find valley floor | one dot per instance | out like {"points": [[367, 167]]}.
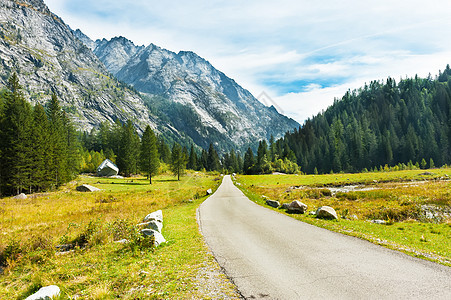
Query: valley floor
{"points": [[96, 267]]}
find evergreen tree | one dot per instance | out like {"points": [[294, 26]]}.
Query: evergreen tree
{"points": [[165, 152], [178, 161], [192, 161], [16, 147], [149, 158], [128, 156], [203, 164], [58, 149], [249, 162], [213, 163], [41, 145]]}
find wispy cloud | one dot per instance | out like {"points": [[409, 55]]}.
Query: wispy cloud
{"points": [[301, 53]]}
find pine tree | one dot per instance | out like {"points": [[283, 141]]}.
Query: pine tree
{"points": [[213, 163], [149, 158], [249, 162], [40, 141], [58, 144], [16, 147], [164, 151], [192, 161], [178, 161], [128, 156]]}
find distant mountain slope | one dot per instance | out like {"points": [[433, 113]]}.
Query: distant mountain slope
{"points": [[186, 90], [381, 123], [49, 59], [182, 96]]}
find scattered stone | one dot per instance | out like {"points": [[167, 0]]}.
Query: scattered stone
{"points": [[21, 196], [123, 241], [87, 188], [154, 224], [155, 216], [45, 293], [427, 173], [375, 181], [159, 239], [326, 212], [353, 217], [107, 168], [209, 192], [65, 247], [273, 203], [379, 222], [284, 206], [312, 213], [297, 207], [117, 177]]}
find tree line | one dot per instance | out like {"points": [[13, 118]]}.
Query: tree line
{"points": [[384, 123], [38, 146]]}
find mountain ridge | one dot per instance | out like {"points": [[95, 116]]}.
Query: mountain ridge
{"points": [[219, 105]]}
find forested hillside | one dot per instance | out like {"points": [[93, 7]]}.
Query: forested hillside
{"points": [[382, 123]]}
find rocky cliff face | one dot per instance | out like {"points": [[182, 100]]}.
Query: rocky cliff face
{"points": [[181, 95], [49, 59], [197, 98]]}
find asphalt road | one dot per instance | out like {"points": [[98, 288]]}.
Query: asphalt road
{"points": [[272, 256]]}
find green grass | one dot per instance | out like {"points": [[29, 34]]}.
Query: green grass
{"points": [[102, 269], [397, 198]]}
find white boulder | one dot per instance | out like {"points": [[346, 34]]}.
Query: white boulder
{"points": [[21, 196], [159, 239], [297, 207], [155, 216], [326, 212], [87, 188], [45, 293]]}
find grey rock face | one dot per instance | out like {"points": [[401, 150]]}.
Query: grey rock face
{"points": [[45, 293], [326, 212], [198, 99], [49, 58], [87, 188], [297, 207]]}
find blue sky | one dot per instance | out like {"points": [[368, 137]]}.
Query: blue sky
{"points": [[301, 53]]}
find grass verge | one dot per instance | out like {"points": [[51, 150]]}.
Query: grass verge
{"points": [[97, 267]]}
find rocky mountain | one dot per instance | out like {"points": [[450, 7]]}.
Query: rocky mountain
{"points": [[49, 58], [181, 95], [196, 98]]}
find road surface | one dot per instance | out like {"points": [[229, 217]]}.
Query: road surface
{"points": [[272, 256]]}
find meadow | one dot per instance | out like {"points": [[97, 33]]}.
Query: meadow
{"points": [[412, 209], [97, 267]]}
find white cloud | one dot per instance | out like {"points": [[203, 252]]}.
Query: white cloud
{"points": [[302, 53]]}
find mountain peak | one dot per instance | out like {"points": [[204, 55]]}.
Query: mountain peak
{"points": [[200, 100]]}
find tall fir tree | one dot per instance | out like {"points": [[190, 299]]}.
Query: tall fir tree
{"points": [[249, 162], [128, 156], [178, 161], [16, 147], [192, 160], [149, 157], [213, 162]]}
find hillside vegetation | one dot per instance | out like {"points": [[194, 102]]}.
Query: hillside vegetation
{"points": [[381, 123]]}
